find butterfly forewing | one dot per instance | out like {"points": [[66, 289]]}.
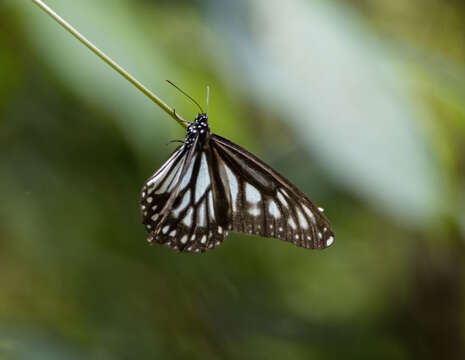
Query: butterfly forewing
{"points": [[264, 203]]}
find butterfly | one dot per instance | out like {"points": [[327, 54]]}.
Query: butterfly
{"points": [[210, 186]]}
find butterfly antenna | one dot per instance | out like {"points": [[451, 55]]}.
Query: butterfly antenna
{"points": [[186, 94], [208, 97]]}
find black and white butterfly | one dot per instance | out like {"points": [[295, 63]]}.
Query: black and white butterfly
{"points": [[210, 186]]}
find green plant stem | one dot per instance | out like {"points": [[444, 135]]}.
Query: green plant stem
{"points": [[110, 62]]}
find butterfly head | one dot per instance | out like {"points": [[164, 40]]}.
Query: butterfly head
{"points": [[201, 118], [198, 128]]}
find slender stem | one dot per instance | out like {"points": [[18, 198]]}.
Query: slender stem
{"points": [[110, 62]]}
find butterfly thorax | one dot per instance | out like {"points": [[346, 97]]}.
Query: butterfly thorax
{"points": [[198, 128]]}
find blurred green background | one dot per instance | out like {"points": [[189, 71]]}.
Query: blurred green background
{"points": [[361, 104]]}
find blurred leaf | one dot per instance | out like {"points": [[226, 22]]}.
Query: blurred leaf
{"points": [[344, 97], [120, 36]]}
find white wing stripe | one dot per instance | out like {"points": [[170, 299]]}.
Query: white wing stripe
{"points": [[273, 209], [201, 216], [203, 179], [233, 186], [302, 221], [188, 218], [187, 177], [292, 223], [210, 205], [171, 178], [309, 213], [183, 204], [282, 199]]}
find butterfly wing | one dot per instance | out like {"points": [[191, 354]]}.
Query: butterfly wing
{"points": [[177, 203], [264, 203]]}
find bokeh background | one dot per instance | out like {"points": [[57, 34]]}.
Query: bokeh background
{"points": [[361, 104]]}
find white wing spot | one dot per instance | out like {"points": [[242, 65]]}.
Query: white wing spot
{"points": [[251, 194], [292, 223], [193, 237], [254, 211], [320, 209], [188, 218], [220, 230], [184, 239], [143, 194], [233, 186], [204, 239], [273, 209], [149, 199], [165, 229], [184, 202], [218, 243], [143, 207], [148, 226], [302, 221], [271, 226], [172, 233], [155, 217], [309, 213], [330, 241], [154, 207], [320, 235], [280, 228], [296, 236], [203, 179]]}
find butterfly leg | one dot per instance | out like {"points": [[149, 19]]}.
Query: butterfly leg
{"points": [[175, 141]]}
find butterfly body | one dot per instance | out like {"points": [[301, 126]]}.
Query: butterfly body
{"points": [[210, 186]]}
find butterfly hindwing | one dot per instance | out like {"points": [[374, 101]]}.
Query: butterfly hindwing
{"points": [[158, 188], [189, 223]]}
